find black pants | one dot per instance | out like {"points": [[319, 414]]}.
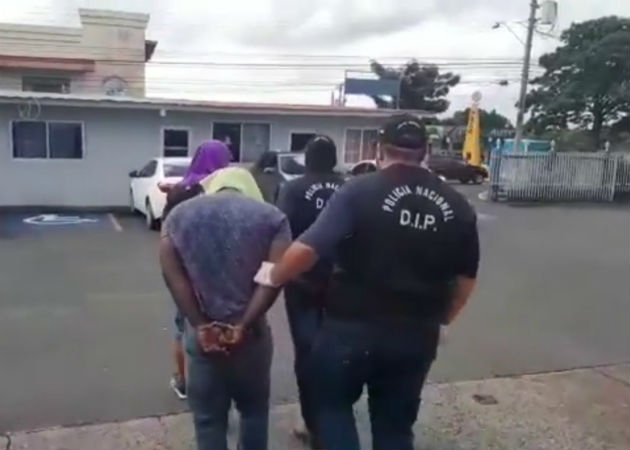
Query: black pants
{"points": [[391, 359], [305, 314]]}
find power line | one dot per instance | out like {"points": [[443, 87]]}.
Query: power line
{"points": [[248, 55]]}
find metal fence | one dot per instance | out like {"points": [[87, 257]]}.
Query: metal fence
{"points": [[559, 176], [622, 180]]}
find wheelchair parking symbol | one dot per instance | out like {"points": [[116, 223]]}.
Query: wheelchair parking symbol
{"points": [[56, 219]]}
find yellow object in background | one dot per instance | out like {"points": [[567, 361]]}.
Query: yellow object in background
{"points": [[472, 143]]}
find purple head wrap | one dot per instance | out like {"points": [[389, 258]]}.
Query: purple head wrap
{"points": [[210, 156]]}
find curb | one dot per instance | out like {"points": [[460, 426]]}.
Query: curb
{"points": [[549, 410]]}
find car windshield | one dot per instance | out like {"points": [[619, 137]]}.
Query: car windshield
{"points": [[292, 164], [172, 169]]}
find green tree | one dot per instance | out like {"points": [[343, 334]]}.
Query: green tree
{"points": [[586, 82], [489, 120], [422, 86]]}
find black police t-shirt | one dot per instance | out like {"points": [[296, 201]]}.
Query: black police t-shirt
{"points": [[419, 227], [302, 200], [399, 237]]}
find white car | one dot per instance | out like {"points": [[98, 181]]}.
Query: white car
{"points": [[291, 165], [144, 191], [369, 166]]}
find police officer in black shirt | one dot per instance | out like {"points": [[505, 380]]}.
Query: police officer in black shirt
{"points": [[407, 254], [302, 200]]}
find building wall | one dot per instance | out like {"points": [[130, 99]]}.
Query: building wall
{"points": [[115, 40], [119, 140]]}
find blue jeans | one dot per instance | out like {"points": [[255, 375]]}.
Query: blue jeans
{"points": [[305, 315], [391, 359], [215, 380], [180, 324]]}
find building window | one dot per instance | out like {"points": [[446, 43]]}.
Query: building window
{"points": [[246, 141], [299, 141], [175, 142], [29, 139], [47, 140], [360, 144], [230, 134], [352, 152], [256, 141], [57, 85], [65, 140]]}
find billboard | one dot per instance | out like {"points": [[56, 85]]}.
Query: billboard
{"points": [[372, 87]]}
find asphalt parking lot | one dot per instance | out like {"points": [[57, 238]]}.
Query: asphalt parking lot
{"points": [[85, 321]]}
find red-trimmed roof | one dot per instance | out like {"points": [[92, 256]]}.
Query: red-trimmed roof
{"points": [[46, 63]]}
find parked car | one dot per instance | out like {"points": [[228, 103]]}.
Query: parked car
{"points": [[291, 165], [145, 194], [446, 167], [366, 166], [453, 168]]}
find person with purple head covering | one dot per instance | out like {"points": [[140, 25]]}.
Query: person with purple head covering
{"points": [[210, 156]]}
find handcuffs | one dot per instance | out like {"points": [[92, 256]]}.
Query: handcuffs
{"points": [[213, 336]]}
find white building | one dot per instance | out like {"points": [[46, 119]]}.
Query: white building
{"points": [[70, 150], [74, 120]]}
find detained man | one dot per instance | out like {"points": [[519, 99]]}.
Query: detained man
{"points": [[210, 250], [209, 157]]}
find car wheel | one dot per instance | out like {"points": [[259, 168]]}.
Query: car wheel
{"points": [[478, 178], [151, 221], [464, 180]]}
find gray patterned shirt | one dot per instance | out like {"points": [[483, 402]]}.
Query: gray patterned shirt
{"points": [[222, 239]]}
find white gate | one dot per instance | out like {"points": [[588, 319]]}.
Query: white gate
{"points": [[558, 176]]}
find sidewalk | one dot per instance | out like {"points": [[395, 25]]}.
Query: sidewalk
{"points": [[582, 408]]}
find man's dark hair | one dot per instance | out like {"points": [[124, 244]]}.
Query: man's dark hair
{"points": [[268, 160], [321, 154]]}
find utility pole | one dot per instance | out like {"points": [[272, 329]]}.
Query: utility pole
{"points": [[531, 25]]}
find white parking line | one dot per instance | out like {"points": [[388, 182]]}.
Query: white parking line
{"points": [[115, 222]]}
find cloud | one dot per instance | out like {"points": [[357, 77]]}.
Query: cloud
{"points": [[217, 29], [292, 24]]}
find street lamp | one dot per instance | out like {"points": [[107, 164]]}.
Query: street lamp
{"points": [[498, 25]]}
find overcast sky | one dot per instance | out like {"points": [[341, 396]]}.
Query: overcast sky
{"points": [[286, 32]]}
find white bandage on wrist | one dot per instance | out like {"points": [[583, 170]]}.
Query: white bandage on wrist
{"points": [[263, 276], [443, 335]]}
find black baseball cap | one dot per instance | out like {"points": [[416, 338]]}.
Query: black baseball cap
{"points": [[404, 131], [320, 153]]}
